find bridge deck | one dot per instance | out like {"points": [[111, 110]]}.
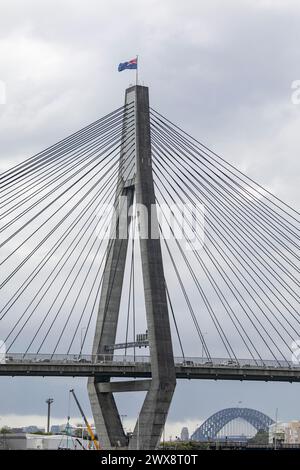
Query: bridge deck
{"points": [[139, 366]]}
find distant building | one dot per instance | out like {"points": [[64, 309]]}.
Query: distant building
{"points": [[184, 436], [32, 429], [287, 433], [292, 434], [68, 428], [55, 429]]}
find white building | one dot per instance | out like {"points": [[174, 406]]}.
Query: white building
{"points": [[26, 441], [55, 429], [288, 433]]}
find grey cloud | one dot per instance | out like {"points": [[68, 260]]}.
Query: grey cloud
{"points": [[221, 70]]}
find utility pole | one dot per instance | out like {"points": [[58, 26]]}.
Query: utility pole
{"points": [[276, 420], [49, 403], [122, 418]]}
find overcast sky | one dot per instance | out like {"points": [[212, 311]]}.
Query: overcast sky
{"points": [[221, 70]]}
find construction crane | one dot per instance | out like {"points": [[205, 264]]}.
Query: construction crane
{"points": [[90, 431]]}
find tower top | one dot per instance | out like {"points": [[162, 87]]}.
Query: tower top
{"points": [[137, 101]]}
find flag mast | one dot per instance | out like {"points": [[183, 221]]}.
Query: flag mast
{"points": [[137, 71]]}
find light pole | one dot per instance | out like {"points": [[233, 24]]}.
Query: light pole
{"points": [[122, 418], [138, 433], [81, 338], [49, 403], [276, 420], [203, 334]]}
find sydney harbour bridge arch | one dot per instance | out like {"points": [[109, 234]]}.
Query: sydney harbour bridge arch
{"points": [[216, 422]]}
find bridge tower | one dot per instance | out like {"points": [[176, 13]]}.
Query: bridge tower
{"points": [[160, 387]]}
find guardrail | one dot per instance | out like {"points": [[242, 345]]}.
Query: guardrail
{"points": [[19, 358]]}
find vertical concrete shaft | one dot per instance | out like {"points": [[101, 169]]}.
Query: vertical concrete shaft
{"points": [[106, 416], [154, 411], [107, 420]]}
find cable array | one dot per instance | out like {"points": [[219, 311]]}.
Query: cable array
{"points": [[238, 275], [230, 247], [56, 208]]}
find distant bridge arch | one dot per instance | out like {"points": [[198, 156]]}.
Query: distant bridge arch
{"points": [[210, 428]]}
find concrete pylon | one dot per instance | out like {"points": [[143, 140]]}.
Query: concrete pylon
{"points": [[160, 388]]}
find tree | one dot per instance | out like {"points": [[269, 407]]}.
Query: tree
{"points": [[261, 437], [5, 430]]}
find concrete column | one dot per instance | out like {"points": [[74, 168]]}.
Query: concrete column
{"points": [[154, 412], [106, 416]]}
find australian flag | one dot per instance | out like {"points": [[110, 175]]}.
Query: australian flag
{"points": [[131, 64]]}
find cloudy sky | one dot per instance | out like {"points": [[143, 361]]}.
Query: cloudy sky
{"points": [[221, 70]]}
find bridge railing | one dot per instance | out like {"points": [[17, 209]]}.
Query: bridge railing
{"points": [[20, 358], [73, 358], [225, 362]]}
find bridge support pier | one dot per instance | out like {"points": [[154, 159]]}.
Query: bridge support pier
{"points": [[106, 416], [152, 417]]}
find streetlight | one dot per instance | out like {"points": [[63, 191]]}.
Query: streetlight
{"points": [[203, 334], [49, 403], [81, 338], [122, 418], [276, 421]]}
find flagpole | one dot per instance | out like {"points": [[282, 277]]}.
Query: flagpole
{"points": [[137, 71]]}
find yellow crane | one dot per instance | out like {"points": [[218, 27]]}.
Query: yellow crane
{"points": [[90, 431]]}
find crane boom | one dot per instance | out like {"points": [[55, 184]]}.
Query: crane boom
{"points": [[90, 431]]}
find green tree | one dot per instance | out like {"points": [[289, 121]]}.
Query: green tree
{"points": [[5, 430], [261, 437]]}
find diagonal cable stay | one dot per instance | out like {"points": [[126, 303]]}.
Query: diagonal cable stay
{"points": [[54, 210], [231, 250], [230, 247]]}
